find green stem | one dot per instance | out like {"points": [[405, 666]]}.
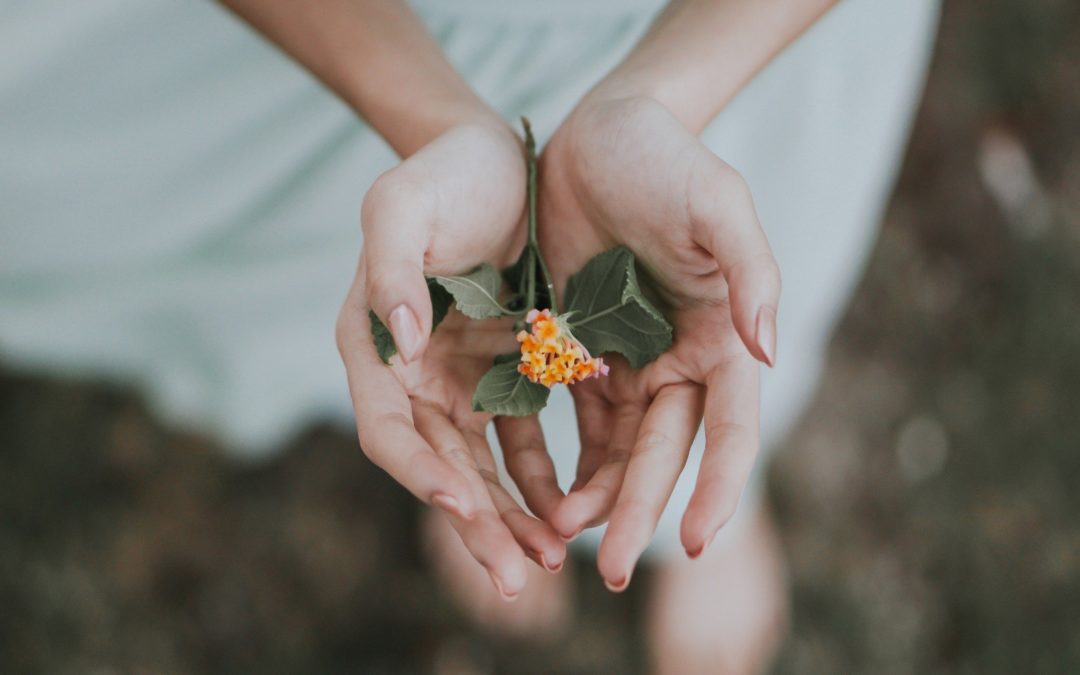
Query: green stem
{"points": [[536, 258]]}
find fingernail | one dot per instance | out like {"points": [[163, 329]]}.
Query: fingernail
{"points": [[498, 586], [544, 562], [570, 538], [766, 334], [701, 549], [618, 586], [448, 504], [406, 332]]}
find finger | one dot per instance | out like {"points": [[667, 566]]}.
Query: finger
{"points": [[384, 422], [486, 535], [731, 446], [725, 222], [594, 421], [394, 218], [528, 463], [590, 505], [535, 537], [658, 458]]}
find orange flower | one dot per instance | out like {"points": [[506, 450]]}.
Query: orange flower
{"points": [[551, 355]]}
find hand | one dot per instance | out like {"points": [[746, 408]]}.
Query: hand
{"points": [[625, 171], [455, 203]]}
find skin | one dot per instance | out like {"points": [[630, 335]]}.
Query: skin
{"points": [[415, 420], [722, 285], [457, 199], [626, 168]]}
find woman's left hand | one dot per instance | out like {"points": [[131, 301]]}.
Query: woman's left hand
{"points": [[625, 171]]}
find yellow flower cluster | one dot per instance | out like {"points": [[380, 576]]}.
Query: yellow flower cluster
{"points": [[550, 355]]}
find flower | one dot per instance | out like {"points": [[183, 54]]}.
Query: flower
{"points": [[551, 355]]}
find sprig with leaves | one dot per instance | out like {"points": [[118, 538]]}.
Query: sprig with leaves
{"points": [[606, 311]]}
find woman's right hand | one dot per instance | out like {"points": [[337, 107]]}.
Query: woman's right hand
{"points": [[455, 203]]}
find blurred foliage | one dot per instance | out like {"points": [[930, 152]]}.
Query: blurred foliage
{"points": [[928, 499]]}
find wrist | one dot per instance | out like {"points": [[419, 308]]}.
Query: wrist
{"points": [[700, 53], [678, 93], [409, 125]]}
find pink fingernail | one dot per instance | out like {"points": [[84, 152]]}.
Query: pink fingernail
{"points": [[544, 563], [406, 332], [448, 504], [618, 586], [572, 537], [701, 549], [499, 587], [766, 334]]}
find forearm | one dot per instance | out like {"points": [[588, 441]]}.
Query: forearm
{"points": [[700, 53], [378, 57]]}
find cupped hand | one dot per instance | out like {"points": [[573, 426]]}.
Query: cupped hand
{"points": [[625, 171], [455, 203]]}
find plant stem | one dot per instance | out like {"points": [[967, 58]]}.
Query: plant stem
{"points": [[536, 258]]}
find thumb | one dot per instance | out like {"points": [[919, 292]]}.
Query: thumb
{"points": [[725, 223], [395, 222]]}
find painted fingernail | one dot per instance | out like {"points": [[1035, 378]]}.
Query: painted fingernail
{"points": [[618, 586], [448, 504], [766, 334], [701, 549], [571, 537], [544, 562], [499, 587], [406, 332]]}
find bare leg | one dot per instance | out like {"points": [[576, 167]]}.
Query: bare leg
{"points": [[724, 613], [538, 612]]}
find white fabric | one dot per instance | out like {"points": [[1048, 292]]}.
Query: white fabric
{"points": [[179, 202]]}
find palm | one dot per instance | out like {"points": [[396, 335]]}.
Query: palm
{"points": [[627, 173], [459, 353]]}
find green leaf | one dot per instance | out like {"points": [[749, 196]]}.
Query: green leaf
{"points": [[504, 391], [511, 357], [613, 314], [384, 340], [514, 275], [517, 278], [476, 294]]}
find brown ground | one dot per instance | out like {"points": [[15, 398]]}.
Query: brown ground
{"points": [[928, 500]]}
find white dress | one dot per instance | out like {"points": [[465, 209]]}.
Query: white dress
{"points": [[179, 202]]}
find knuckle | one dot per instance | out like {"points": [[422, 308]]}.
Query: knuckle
{"points": [[341, 331], [490, 477], [540, 483], [524, 448], [372, 430], [760, 266], [456, 455], [617, 456], [730, 182], [731, 434], [392, 194], [369, 446], [655, 441]]}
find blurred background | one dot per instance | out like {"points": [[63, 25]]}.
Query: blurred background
{"points": [[928, 500]]}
